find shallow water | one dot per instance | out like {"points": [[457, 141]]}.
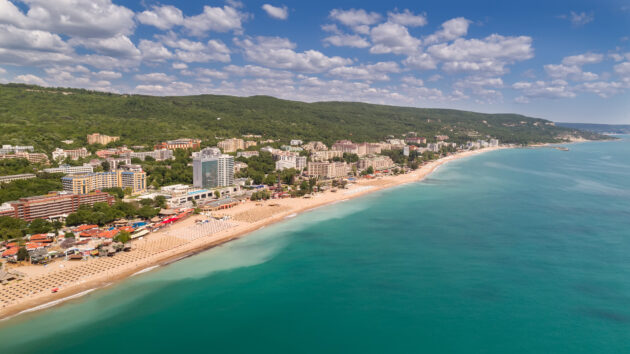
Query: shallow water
{"points": [[513, 251]]}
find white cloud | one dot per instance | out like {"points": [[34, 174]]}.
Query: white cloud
{"points": [[583, 59], [421, 61], [544, 89], [623, 69], [393, 38], [276, 52], [179, 66], [155, 77], [154, 51], [413, 81], [213, 73], [279, 13], [12, 37], [85, 19], [118, 47], [2, 71], [579, 19], [602, 88], [108, 75], [347, 40], [572, 72], [192, 51], [407, 18], [451, 29], [30, 79], [217, 19], [489, 55], [173, 89], [257, 71], [372, 72], [357, 19], [162, 17]]}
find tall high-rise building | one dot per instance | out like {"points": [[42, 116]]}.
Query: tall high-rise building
{"points": [[86, 183], [212, 169]]}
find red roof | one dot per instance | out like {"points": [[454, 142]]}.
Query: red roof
{"points": [[12, 244], [126, 228], [108, 234], [85, 227], [10, 252], [89, 233], [34, 245], [40, 237]]}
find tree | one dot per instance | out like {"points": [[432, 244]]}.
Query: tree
{"points": [[22, 254], [159, 201], [115, 191], [39, 226], [106, 166], [146, 201], [147, 212], [57, 225], [123, 236], [217, 194], [68, 235]]}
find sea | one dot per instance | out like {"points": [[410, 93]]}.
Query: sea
{"points": [[511, 251]]}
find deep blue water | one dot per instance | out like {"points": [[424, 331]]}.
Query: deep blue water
{"points": [[514, 251]]}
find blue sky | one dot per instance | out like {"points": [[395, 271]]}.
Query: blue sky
{"points": [[560, 60]]}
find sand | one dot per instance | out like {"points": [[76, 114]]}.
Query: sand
{"points": [[178, 241]]}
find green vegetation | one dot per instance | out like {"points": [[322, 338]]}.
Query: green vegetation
{"points": [[261, 195], [164, 173], [16, 167], [45, 183], [123, 236], [42, 117], [259, 168], [102, 213]]}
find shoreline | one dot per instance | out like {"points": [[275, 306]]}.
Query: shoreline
{"points": [[270, 212]]}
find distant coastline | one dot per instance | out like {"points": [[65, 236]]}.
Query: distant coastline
{"points": [[272, 211]]}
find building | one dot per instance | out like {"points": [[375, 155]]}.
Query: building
{"points": [[122, 151], [116, 162], [415, 140], [247, 154], [250, 143], [325, 155], [157, 155], [29, 156], [296, 162], [97, 138], [494, 142], [296, 142], [433, 147], [368, 149], [212, 169], [87, 183], [193, 144], [377, 163], [441, 137], [231, 145], [67, 169], [327, 169], [346, 146], [178, 196], [51, 206], [315, 146], [11, 178], [10, 149], [238, 166], [75, 154]]}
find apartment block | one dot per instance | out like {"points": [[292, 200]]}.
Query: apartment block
{"points": [[377, 163], [231, 145], [73, 154], [67, 169], [11, 178], [179, 144], [327, 169], [157, 155], [97, 138], [87, 183], [321, 156], [51, 206]]}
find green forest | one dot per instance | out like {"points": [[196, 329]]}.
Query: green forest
{"points": [[43, 117]]}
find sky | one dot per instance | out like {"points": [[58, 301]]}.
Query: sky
{"points": [[567, 61]]}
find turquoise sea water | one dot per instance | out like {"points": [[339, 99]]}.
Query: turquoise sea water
{"points": [[514, 251]]}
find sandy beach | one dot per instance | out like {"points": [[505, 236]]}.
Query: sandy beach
{"points": [[76, 278]]}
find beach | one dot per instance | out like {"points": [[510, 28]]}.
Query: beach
{"points": [[181, 240]]}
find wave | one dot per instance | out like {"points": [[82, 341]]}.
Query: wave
{"points": [[148, 269], [52, 303]]}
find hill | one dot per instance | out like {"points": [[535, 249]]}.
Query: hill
{"points": [[43, 117], [599, 128]]}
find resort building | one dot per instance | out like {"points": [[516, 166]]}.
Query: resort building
{"points": [[327, 169], [212, 169], [415, 140], [11, 178], [97, 138], [296, 162], [179, 144], [315, 146], [61, 154], [346, 146], [368, 149], [157, 155], [377, 163], [247, 154], [238, 166], [325, 155], [67, 169], [31, 157], [122, 151], [10, 149], [87, 183], [441, 137], [494, 142], [250, 143], [296, 142], [231, 145], [116, 162], [52, 206]]}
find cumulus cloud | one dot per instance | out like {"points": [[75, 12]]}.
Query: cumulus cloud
{"points": [[194, 51], [155, 77], [276, 52], [257, 71], [391, 37], [279, 13], [544, 89], [347, 40], [162, 17], [30, 79], [583, 59], [451, 29], [118, 46], [154, 51], [217, 19], [407, 18], [371, 72], [357, 19]]}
